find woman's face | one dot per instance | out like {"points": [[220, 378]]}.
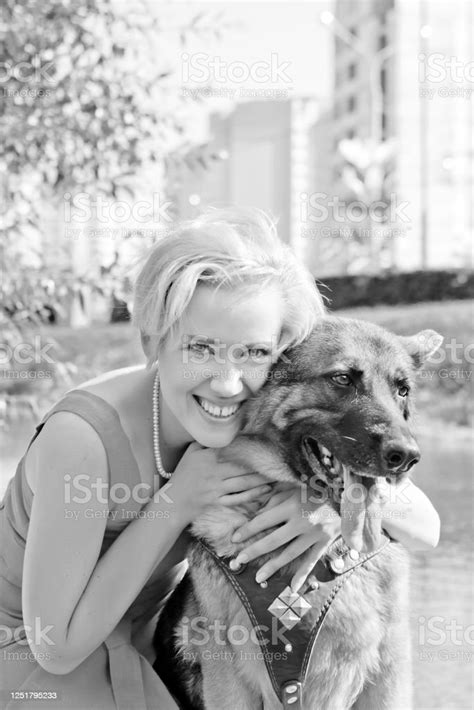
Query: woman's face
{"points": [[218, 359]]}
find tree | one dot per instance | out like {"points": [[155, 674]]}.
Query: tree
{"points": [[90, 96]]}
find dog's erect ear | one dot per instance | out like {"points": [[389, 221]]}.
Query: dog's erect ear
{"points": [[422, 345]]}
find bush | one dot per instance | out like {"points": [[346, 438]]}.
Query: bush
{"points": [[397, 288]]}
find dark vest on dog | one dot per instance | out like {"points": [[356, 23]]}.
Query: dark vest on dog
{"points": [[286, 640]]}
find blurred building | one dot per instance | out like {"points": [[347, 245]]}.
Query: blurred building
{"points": [[421, 52], [264, 151]]}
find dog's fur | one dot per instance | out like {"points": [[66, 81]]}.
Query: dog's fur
{"points": [[363, 651]]}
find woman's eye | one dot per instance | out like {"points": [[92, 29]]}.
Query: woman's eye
{"points": [[403, 390], [258, 354], [199, 347], [341, 379], [199, 351]]}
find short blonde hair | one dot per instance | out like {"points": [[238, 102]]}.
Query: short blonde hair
{"points": [[226, 247]]}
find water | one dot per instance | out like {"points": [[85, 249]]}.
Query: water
{"points": [[442, 584]]}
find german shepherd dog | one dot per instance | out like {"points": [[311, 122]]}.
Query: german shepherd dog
{"points": [[334, 414]]}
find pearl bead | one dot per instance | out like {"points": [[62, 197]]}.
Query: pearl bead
{"points": [[156, 428]]}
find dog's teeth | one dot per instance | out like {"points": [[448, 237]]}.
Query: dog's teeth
{"points": [[325, 452]]}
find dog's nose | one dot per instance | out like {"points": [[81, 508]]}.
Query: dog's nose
{"points": [[400, 457]]}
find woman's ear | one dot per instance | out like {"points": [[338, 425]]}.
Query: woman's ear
{"points": [[422, 345], [145, 340], [148, 347]]}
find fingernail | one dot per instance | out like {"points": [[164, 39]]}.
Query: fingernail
{"points": [[241, 559], [260, 577], [236, 537]]}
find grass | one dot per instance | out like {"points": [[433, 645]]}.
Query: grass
{"points": [[445, 384]]}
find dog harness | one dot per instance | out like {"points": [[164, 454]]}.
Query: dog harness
{"points": [[286, 640]]}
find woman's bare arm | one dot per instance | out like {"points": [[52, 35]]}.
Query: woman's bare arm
{"points": [[65, 586], [410, 518]]}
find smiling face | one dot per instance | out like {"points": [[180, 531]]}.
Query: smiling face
{"points": [[219, 357]]}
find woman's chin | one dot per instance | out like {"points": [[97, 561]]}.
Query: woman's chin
{"points": [[215, 441], [215, 437], [213, 433]]}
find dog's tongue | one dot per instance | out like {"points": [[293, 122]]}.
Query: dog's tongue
{"points": [[361, 510]]}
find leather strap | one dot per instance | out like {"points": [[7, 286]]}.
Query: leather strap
{"points": [[286, 636]]}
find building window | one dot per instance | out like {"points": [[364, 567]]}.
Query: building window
{"points": [[383, 80], [382, 41], [351, 104], [352, 70], [350, 134]]}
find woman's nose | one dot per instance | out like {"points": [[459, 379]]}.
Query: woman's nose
{"points": [[227, 383]]}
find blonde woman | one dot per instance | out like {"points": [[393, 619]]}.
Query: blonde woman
{"points": [[93, 523]]}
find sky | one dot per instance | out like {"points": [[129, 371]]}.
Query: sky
{"points": [[284, 41]]}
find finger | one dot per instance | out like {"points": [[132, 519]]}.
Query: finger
{"points": [[308, 564], [244, 496], [235, 484], [261, 522], [266, 544], [290, 553], [275, 500]]}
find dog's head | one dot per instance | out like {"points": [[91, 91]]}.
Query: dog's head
{"points": [[337, 407]]}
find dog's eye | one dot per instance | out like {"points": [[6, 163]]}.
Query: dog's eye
{"points": [[403, 390], [342, 379]]}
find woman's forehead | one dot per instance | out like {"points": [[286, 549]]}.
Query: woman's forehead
{"points": [[230, 315]]}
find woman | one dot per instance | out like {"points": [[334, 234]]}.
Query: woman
{"points": [[93, 523]]}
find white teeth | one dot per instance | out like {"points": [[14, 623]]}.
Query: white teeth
{"points": [[218, 411], [324, 451]]}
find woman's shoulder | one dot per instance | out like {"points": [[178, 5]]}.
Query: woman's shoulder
{"points": [[115, 408], [64, 438], [115, 386]]}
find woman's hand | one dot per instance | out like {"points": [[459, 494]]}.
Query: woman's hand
{"points": [[201, 480], [302, 525]]}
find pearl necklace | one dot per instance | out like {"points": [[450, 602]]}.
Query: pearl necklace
{"points": [[156, 428]]}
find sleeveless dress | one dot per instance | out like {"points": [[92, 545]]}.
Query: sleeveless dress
{"points": [[116, 676]]}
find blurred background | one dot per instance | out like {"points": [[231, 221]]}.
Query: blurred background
{"points": [[350, 121]]}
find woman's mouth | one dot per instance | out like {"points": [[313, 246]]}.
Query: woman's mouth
{"points": [[215, 411]]}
